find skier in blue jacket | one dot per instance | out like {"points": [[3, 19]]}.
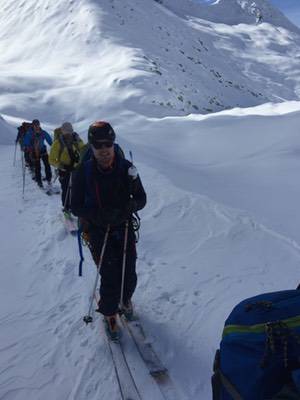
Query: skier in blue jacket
{"points": [[34, 143]]}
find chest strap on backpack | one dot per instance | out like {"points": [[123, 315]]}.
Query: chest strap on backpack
{"points": [[63, 145]]}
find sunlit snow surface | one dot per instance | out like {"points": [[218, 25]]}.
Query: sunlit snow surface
{"points": [[222, 220], [78, 59]]}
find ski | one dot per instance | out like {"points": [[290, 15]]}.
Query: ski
{"points": [[136, 373], [125, 380], [127, 386], [49, 190], [152, 362], [150, 358]]}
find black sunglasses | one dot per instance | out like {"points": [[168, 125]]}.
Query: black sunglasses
{"points": [[102, 145]]}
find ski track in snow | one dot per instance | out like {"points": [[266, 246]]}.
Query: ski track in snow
{"points": [[43, 337]]}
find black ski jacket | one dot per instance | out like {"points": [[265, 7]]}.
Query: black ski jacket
{"points": [[96, 193]]}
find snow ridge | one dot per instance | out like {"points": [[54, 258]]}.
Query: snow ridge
{"points": [[177, 65], [232, 12]]}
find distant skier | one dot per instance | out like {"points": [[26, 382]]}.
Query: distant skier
{"points": [[259, 17], [34, 143], [65, 155], [22, 129], [105, 194]]}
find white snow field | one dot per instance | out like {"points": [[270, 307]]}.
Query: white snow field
{"points": [[222, 220]]}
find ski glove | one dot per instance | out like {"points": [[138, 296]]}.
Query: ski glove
{"points": [[131, 207]]}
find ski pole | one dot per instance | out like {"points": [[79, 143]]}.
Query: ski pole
{"points": [[124, 266], [88, 318], [133, 173], [70, 189], [24, 171], [68, 194], [80, 251], [15, 154]]}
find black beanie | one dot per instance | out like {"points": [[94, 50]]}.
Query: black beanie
{"points": [[101, 130]]}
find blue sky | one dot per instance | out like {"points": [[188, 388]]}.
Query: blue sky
{"points": [[291, 8]]}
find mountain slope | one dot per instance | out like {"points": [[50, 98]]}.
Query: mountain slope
{"points": [[232, 12], [222, 220], [109, 52]]}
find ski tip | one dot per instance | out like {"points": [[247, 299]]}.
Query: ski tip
{"points": [[115, 340]]}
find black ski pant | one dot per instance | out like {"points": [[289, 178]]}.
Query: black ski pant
{"points": [[37, 165], [64, 179], [28, 160], [111, 270]]}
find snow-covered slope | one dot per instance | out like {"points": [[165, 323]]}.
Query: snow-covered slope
{"points": [[7, 132], [221, 224], [140, 56]]}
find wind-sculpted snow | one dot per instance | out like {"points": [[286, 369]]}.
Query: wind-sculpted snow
{"points": [[75, 58]]}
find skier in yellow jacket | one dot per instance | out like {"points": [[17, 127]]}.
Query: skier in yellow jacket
{"points": [[65, 155]]}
